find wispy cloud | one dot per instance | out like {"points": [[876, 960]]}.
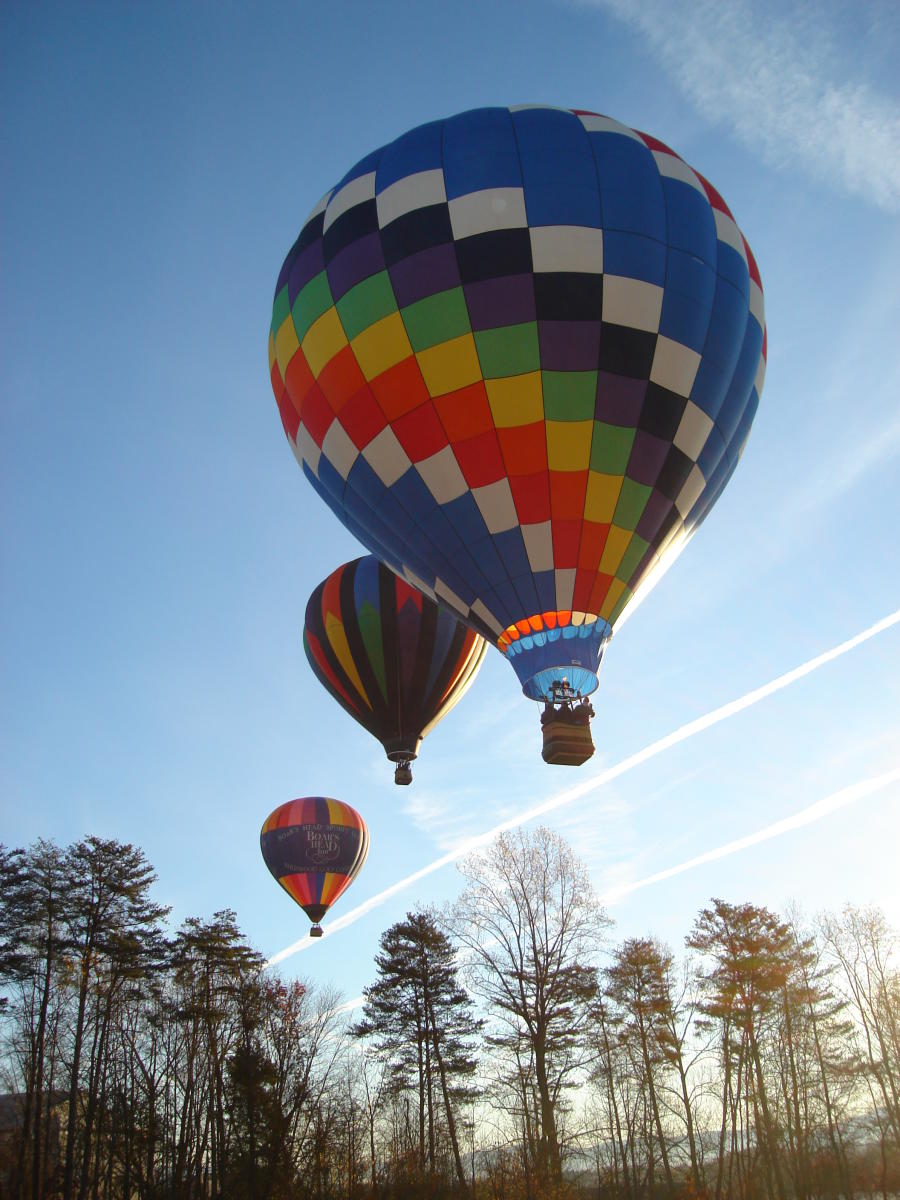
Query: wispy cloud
{"points": [[839, 474], [779, 80], [595, 782]]}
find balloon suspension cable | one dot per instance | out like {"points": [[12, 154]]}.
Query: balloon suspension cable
{"points": [[403, 774], [316, 931]]}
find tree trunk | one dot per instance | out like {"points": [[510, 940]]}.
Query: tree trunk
{"points": [[551, 1164], [451, 1123], [71, 1125]]}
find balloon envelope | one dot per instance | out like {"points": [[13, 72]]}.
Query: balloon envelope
{"points": [[315, 847], [388, 654], [518, 352]]}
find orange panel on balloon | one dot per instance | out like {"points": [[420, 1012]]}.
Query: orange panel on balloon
{"points": [[400, 388]]}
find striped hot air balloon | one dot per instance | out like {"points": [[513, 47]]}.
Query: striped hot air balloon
{"points": [[389, 655], [315, 847]]}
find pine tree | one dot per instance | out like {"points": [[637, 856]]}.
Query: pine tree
{"points": [[421, 1022]]}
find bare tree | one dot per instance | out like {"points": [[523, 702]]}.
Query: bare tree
{"points": [[532, 927]]}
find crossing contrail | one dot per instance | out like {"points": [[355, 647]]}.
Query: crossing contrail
{"points": [[568, 795]]}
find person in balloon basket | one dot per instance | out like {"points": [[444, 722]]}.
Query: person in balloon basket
{"points": [[564, 704]]}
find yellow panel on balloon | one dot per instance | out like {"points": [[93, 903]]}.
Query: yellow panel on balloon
{"points": [[602, 497], [336, 813], [616, 588], [382, 345], [569, 445], [332, 886], [324, 338], [613, 551], [341, 647], [517, 400], [450, 365], [286, 344]]}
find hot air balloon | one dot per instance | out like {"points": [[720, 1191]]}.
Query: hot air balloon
{"points": [[315, 847], [518, 353], [396, 661]]}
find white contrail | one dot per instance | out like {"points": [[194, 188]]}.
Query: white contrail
{"points": [[597, 781], [806, 816]]}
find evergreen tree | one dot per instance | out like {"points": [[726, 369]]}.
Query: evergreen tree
{"points": [[421, 1022], [112, 930]]}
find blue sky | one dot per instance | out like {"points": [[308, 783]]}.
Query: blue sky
{"points": [[159, 542]]}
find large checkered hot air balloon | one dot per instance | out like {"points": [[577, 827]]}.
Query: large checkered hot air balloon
{"points": [[391, 657], [315, 847], [518, 353]]}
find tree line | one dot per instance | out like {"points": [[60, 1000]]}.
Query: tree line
{"points": [[506, 1048]]}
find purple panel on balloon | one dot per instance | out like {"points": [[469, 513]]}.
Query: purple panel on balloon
{"points": [[424, 274], [508, 300]]}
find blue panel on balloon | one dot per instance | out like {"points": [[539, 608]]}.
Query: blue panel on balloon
{"points": [[691, 277], [480, 152], [511, 547], [527, 593], [394, 514], [439, 529], [726, 327], [365, 482], [416, 151], [484, 552], [465, 516], [545, 582], [689, 221], [631, 196], [634, 256], [711, 454], [333, 502], [739, 393], [509, 601], [557, 169], [413, 493], [710, 386], [331, 482], [732, 267], [462, 562], [684, 320]]}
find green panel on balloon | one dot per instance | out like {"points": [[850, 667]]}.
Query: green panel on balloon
{"points": [[512, 350], [637, 548], [366, 303], [370, 628], [281, 309], [611, 448], [632, 501], [436, 319], [311, 303], [569, 395]]}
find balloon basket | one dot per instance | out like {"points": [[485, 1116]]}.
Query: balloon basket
{"points": [[316, 931], [403, 774], [566, 743]]}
